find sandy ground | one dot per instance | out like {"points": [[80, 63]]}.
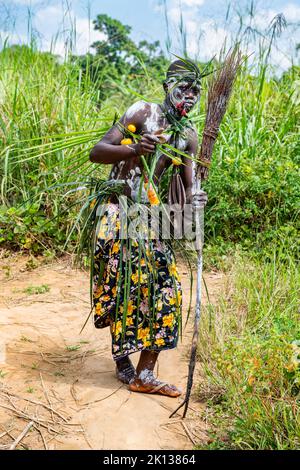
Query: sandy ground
{"points": [[65, 382]]}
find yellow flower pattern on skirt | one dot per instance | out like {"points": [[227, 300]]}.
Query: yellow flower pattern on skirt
{"points": [[148, 316]]}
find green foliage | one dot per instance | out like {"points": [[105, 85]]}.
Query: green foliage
{"points": [[254, 182], [117, 45], [117, 56], [250, 352], [33, 290], [49, 122], [73, 348]]}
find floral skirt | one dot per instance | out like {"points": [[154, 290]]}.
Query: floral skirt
{"points": [[136, 290]]}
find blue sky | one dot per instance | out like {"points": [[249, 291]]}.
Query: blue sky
{"points": [[52, 21]]}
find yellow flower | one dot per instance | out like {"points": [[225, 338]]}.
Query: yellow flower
{"points": [[146, 343], [117, 328], [159, 341], [114, 291], [151, 193], [176, 161], [98, 292], [168, 320], [126, 141], [143, 333], [251, 380], [256, 363], [129, 321], [152, 197], [135, 277], [98, 309], [179, 297], [116, 247], [102, 234], [130, 307], [131, 128], [106, 298], [173, 269], [28, 243], [144, 291], [92, 204], [159, 305]]}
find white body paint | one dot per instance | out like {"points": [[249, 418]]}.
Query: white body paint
{"points": [[133, 109], [152, 124]]}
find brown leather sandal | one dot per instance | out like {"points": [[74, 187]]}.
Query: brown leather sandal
{"points": [[133, 387]]}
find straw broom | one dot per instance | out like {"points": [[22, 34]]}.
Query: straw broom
{"points": [[218, 97]]}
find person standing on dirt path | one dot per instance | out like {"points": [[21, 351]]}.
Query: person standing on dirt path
{"points": [[138, 293]]}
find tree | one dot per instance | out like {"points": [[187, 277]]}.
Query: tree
{"points": [[117, 48], [118, 56]]}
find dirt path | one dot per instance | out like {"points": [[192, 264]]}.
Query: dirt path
{"points": [[65, 382]]}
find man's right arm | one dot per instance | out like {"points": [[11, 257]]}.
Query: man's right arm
{"points": [[109, 148]]}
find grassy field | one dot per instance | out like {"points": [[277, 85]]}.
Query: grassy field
{"points": [[250, 353], [51, 114]]}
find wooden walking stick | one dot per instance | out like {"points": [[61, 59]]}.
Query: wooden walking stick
{"points": [[218, 97]]}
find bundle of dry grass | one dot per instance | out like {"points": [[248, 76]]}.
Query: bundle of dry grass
{"points": [[218, 96]]}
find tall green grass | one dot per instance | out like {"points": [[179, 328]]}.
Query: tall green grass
{"points": [[52, 113], [49, 118], [254, 182], [250, 353]]}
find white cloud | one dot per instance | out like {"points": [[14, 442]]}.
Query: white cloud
{"points": [[204, 38], [26, 2], [86, 35], [284, 47], [209, 42], [291, 12], [192, 3], [60, 32]]}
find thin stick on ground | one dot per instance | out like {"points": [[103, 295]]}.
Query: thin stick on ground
{"points": [[42, 437], [22, 415], [47, 397], [21, 436], [34, 402], [188, 433]]}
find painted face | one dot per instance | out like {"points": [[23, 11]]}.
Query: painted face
{"points": [[183, 95]]}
